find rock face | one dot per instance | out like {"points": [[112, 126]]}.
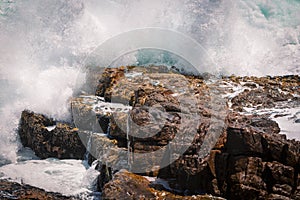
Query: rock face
{"points": [[141, 118], [253, 163], [11, 190], [238, 167], [48, 138]]}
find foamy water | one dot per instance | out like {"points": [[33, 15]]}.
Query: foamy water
{"points": [[68, 177], [44, 43]]}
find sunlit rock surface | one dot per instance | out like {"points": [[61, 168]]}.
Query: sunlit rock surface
{"points": [[126, 185]]}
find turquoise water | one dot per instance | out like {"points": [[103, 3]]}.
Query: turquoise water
{"points": [[285, 12], [6, 7]]}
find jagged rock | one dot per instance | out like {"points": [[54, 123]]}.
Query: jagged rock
{"points": [[271, 91], [289, 83], [151, 110], [277, 173], [296, 195], [247, 170], [149, 97], [12, 190], [245, 136], [91, 113], [243, 142], [245, 178], [257, 122], [292, 154], [48, 138], [145, 86], [126, 185], [285, 190], [244, 192], [109, 76], [106, 151], [222, 172], [277, 197], [143, 128], [278, 148]]}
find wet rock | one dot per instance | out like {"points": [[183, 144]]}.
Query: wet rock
{"points": [[12, 190], [91, 113], [296, 195], [240, 191], [243, 142], [250, 137], [277, 173], [258, 123], [139, 86], [149, 141], [148, 116], [245, 177], [271, 91], [287, 83], [126, 185], [277, 197], [247, 170], [285, 190], [48, 138], [278, 148], [109, 76], [106, 151], [143, 128], [265, 124], [151, 97], [222, 172], [105, 175]]}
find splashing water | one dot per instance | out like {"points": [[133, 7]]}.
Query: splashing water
{"points": [[43, 44]]}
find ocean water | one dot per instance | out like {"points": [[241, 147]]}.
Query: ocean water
{"points": [[44, 45], [68, 177]]}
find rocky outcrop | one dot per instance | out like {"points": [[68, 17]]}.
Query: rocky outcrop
{"points": [[266, 92], [92, 113], [109, 76], [12, 190], [141, 110], [210, 174], [237, 167], [253, 163], [126, 185], [48, 138]]}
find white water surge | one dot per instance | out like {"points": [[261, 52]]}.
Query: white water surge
{"points": [[68, 177]]}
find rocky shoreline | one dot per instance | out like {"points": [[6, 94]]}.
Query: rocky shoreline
{"points": [[223, 143]]}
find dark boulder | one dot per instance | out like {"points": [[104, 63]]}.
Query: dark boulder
{"points": [[48, 138]]}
